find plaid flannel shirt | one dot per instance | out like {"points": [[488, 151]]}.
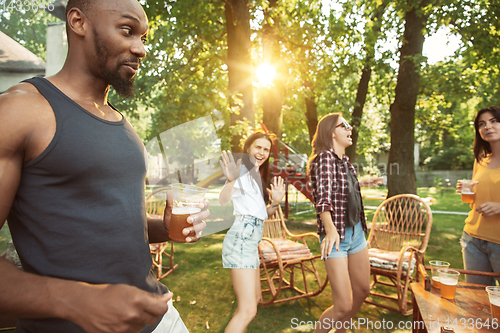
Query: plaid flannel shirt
{"points": [[330, 189]]}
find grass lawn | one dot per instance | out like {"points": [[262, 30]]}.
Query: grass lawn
{"points": [[204, 295], [201, 278], [4, 238]]}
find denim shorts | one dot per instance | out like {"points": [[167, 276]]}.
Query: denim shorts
{"points": [[354, 242], [240, 246]]}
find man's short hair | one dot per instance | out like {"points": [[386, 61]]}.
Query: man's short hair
{"points": [[84, 5]]}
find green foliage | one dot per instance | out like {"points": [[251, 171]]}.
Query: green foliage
{"points": [[302, 32], [28, 28], [445, 114], [184, 75], [453, 91]]}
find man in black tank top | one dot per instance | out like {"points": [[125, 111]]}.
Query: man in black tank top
{"points": [[72, 175]]}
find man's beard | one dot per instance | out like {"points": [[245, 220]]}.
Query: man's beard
{"points": [[123, 86]]}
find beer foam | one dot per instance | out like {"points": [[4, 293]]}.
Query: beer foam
{"points": [[185, 210], [448, 281], [195, 198], [495, 300], [435, 278]]}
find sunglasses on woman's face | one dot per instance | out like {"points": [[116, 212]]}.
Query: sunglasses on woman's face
{"points": [[345, 125]]}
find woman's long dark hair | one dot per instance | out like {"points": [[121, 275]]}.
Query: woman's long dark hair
{"points": [[481, 147], [264, 168], [322, 139]]}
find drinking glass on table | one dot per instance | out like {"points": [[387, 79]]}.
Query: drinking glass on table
{"points": [[494, 295], [448, 279], [187, 200], [435, 265]]}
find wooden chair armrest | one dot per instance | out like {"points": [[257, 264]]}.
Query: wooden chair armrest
{"points": [[297, 236], [426, 280], [413, 251], [270, 241], [302, 236], [465, 271], [411, 248], [275, 248], [290, 234]]}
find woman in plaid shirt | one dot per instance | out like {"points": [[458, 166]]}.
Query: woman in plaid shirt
{"points": [[341, 222]]}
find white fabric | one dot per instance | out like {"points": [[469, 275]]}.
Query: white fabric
{"points": [[171, 322], [247, 197], [389, 259]]}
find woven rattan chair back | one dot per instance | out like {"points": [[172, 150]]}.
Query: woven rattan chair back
{"points": [[273, 227], [399, 221]]}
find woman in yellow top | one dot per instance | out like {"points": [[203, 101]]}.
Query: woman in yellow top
{"points": [[481, 238]]}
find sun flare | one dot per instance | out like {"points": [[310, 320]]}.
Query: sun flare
{"points": [[265, 74]]}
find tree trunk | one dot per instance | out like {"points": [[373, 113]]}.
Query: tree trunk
{"points": [[272, 106], [357, 114], [273, 95], [311, 116], [239, 65], [401, 169]]}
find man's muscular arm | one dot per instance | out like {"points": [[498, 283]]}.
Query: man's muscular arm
{"points": [[24, 133], [21, 294]]}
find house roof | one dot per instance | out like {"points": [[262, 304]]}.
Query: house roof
{"points": [[59, 10], [15, 58]]}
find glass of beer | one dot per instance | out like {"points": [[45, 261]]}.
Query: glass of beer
{"points": [[435, 265], [494, 295], [468, 190], [187, 200], [448, 279]]}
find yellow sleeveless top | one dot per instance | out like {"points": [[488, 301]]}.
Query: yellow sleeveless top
{"points": [[487, 190]]}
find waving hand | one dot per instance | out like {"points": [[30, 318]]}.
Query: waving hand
{"points": [[230, 169]]}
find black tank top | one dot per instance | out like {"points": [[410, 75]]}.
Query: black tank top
{"points": [[353, 199], [79, 211]]}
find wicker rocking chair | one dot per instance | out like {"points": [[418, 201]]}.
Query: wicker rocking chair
{"points": [[397, 242], [155, 205], [287, 264]]}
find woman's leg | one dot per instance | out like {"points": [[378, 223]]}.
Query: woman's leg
{"points": [[246, 284], [494, 257], [350, 282], [359, 274], [258, 292], [337, 270]]}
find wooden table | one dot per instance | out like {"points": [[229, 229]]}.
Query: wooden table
{"points": [[468, 312]]}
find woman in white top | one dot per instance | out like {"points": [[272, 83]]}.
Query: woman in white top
{"points": [[246, 186]]}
